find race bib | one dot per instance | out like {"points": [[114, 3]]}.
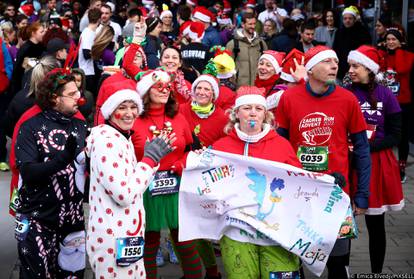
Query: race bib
{"points": [[313, 158], [22, 227], [164, 183], [129, 250], [14, 201], [284, 275]]}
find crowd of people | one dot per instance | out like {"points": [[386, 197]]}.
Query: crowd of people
{"points": [[103, 102]]}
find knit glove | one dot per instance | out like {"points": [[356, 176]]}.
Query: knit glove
{"points": [[339, 179], [140, 30], [156, 149]]}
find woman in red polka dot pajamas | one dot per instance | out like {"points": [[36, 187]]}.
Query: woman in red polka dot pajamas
{"points": [[115, 235]]}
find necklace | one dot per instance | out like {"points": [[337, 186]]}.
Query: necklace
{"points": [[167, 128]]}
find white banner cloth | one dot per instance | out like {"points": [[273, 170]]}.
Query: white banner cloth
{"points": [[262, 202]]}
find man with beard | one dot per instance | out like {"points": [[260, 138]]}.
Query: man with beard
{"points": [[247, 47], [317, 117], [49, 215]]}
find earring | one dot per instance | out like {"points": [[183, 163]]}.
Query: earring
{"points": [[309, 72]]}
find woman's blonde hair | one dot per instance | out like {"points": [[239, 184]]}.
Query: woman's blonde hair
{"points": [[44, 65], [102, 40], [269, 119]]}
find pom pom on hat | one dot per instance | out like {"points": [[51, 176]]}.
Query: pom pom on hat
{"points": [[351, 10], [203, 14], [114, 99], [149, 79], [195, 31], [289, 63], [317, 54], [275, 58], [247, 95], [367, 56]]}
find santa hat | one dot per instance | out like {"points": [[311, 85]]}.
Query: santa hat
{"points": [[149, 79], [27, 10], [250, 95], [367, 56], [184, 27], [226, 68], [165, 13], [203, 14], [250, 4], [111, 5], [195, 31], [114, 99], [351, 10], [317, 54], [210, 79], [192, 2], [289, 63], [227, 7], [275, 58]]}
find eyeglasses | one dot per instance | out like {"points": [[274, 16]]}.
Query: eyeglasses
{"points": [[160, 86]]}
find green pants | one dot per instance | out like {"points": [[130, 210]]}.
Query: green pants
{"points": [[249, 261]]}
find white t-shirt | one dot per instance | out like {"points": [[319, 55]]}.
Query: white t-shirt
{"points": [[117, 30], [86, 38], [265, 15]]}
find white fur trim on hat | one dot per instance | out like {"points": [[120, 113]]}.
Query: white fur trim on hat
{"points": [[202, 17], [329, 53], [250, 99], [148, 80], [349, 12], [213, 82], [363, 60], [165, 13], [273, 61], [226, 75], [191, 3], [287, 77], [193, 35], [112, 5], [110, 105]]}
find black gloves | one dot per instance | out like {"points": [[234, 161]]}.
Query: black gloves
{"points": [[156, 149], [69, 153], [339, 179]]}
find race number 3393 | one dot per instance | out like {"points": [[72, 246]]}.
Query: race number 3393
{"points": [[313, 158], [164, 183], [129, 250]]}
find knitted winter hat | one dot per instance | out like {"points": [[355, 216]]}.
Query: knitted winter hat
{"points": [[151, 23], [203, 14], [195, 31], [317, 54], [397, 33], [367, 56], [114, 99], [351, 10], [149, 79], [289, 63], [210, 79], [275, 58], [250, 95]]}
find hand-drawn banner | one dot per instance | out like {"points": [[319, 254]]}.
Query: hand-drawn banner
{"points": [[262, 202]]}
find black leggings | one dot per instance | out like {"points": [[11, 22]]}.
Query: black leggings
{"points": [[404, 147], [377, 241]]}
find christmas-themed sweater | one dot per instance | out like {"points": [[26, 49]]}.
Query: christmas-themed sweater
{"points": [[55, 199], [270, 147], [156, 118], [117, 184], [208, 128], [321, 121]]}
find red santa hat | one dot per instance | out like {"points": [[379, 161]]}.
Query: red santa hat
{"points": [[367, 56], [275, 58], [184, 27], [192, 2], [27, 10], [317, 54], [149, 79], [203, 14], [210, 79], [250, 95], [227, 7], [250, 4], [195, 31], [115, 98], [289, 63]]}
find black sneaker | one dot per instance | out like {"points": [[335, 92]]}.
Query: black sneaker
{"points": [[403, 177]]}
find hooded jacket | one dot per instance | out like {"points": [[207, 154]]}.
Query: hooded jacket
{"points": [[246, 60]]}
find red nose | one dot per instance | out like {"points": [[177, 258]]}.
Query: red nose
{"points": [[81, 101]]}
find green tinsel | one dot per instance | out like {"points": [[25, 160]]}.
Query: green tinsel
{"points": [[210, 68]]}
